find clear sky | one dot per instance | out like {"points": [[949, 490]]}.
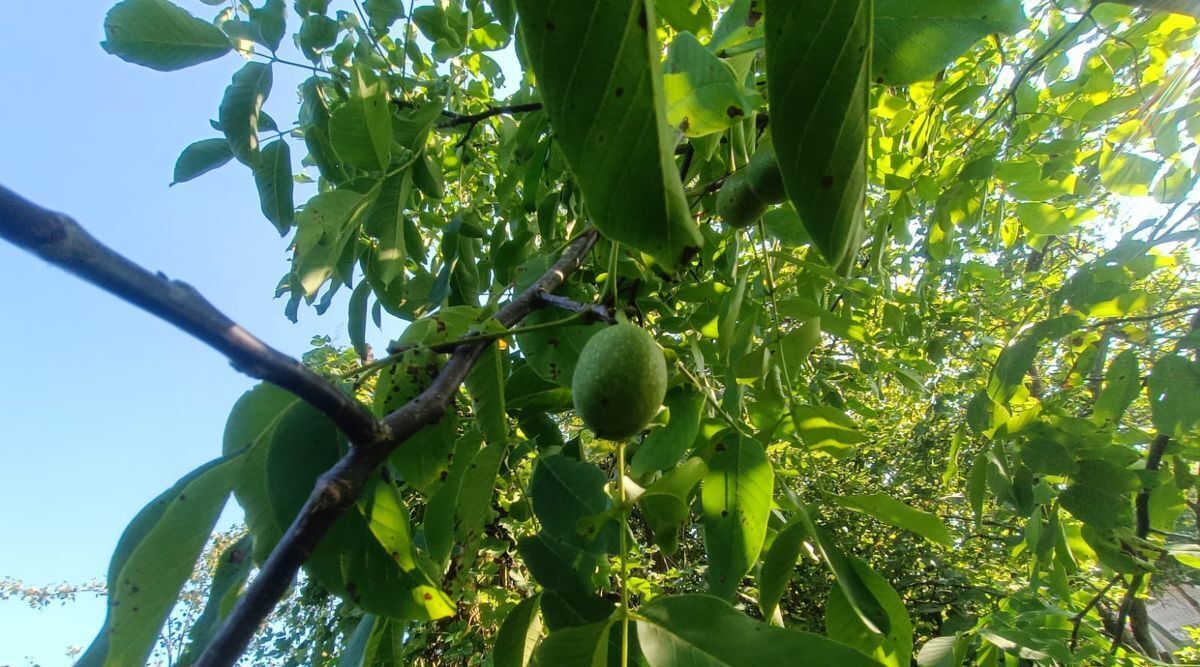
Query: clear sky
{"points": [[102, 406]]}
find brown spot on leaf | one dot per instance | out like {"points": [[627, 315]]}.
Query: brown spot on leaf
{"points": [[734, 111], [684, 124], [826, 182], [642, 18], [620, 91]]}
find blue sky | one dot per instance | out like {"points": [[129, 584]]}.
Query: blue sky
{"points": [[103, 406]]}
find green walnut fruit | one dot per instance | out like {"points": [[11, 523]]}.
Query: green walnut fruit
{"points": [[747, 193], [620, 380]]}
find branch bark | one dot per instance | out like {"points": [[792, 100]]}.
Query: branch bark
{"points": [[58, 239], [1141, 506]]}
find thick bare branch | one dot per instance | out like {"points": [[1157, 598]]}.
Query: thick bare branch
{"points": [[338, 488], [58, 239]]}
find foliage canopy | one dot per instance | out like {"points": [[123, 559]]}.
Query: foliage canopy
{"points": [[933, 379]]}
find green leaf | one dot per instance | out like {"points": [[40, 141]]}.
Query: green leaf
{"points": [[438, 522], [704, 631], [893, 649], [858, 594], [160, 35], [784, 224], [584, 646], [201, 157], [665, 503], [898, 514], [736, 501], [665, 446], [1187, 554], [685, 15], [273, 176], [558, 566], [600, 80], [778, 566], [565, 491], [1097, 506], [1121, 386], [943, 652], [272, 23], [478, 486], [915, 39], [154, 558], [820, 139], [383, 13], [519, 634], [388, 519], [485, 384], [1173, 387], [702, 95], [1047, 220], [361, 129], [325, 225], [232, 570], [240, 109], [356, 319], [1127, 174], [826, 429], [355, 652]]}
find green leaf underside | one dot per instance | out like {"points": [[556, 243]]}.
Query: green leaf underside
{"points": [[160, 35], [818, 61], [599, 78], [913, 40], [843, 624], [736, 502], [896, 513], [154, 558]]}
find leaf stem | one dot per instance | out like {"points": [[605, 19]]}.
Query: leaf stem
{"points": [[624, 553], [709, 398]]}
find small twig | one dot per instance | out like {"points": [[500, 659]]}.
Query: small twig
{"points": [[1077, 619], [594, 312], [716, 406], [1144, 318], [1188, 7], [473, 119]]}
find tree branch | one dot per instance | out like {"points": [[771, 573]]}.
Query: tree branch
{"points": [[340, 486], [1141, 506], [61, 241], [593, 312], [1188, 7], [474, 118]]}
